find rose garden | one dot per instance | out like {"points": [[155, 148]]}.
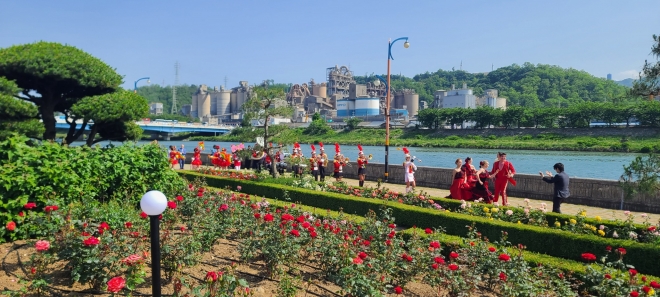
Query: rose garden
{"points": [[73, 225]]}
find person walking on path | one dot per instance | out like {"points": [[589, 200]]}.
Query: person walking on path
{"points": [[182, 160], [409, 171], [503, 172], [561, 186]]}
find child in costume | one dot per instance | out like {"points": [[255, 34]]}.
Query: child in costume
{"points": [[409, 171], [362, 166]]}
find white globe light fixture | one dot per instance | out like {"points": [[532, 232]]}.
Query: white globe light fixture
{"points": [[153, 203], [406, 44], [377, 82]]}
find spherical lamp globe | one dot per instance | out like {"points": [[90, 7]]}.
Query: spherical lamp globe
{"points": [[377, 82], [153, 203], [406, 44]]}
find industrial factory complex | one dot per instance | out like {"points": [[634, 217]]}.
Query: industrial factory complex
{"points": [[337, 98]]}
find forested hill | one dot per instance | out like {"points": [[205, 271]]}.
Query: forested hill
{"points": [[527, 85], [163, 94]]}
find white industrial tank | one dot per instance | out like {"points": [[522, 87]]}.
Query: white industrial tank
{"points": [[193, 107], [367, 106]]}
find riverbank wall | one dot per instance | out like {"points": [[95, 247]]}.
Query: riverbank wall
{"points": [[584, 191], [572, 132]]}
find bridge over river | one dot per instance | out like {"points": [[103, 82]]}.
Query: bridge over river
{"points": [[160, 128]]}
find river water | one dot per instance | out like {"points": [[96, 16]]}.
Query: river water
{"points": [[577, 164]]}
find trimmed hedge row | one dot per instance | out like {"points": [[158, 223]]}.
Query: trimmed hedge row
{"points": [[548, 241]]}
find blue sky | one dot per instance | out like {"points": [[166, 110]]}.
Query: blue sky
{"points": [[293, 41]]}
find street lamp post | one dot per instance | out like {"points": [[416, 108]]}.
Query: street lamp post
{"points": [[153, 203], [135, 86], [406, 44]]}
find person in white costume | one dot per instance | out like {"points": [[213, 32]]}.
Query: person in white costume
{"points": [[409, 168]]}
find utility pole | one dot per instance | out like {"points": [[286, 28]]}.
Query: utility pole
{"points": [[225, 82], [176, 82]]}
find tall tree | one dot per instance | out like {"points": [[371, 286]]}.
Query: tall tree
{"points": [[113, 116], [54, 77], [649, 79], [17, 116], [265, 104]]}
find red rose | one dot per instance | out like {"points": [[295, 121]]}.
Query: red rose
{"points": [[362, 255], [588, 257], [644, 278], [295, 233], [211, 276], [171, 204], [128, 224], [300, 219], [11, 226], [503, 276], [608, 248], [453, 267], [268, 217], [30, 205], [492, 249], [144, 215], [608, 276], [91, 241], [42, 245], [655, 284], [223, 207], [634, 294], [388, 242], [33, 270], [428, 231], [257, 215], [85, 233], [21, 214], [179, 198], [453, 255], [357, 260], [434, 244], [504, 257], [116, 284], [621, 251], [434, 266], [132, 260], [366, 243], [312, 234], [646, 289], [632, 272], [392, 226], [439, 260], [103, 227], [182, 228], [305, 225], [398, 290]]}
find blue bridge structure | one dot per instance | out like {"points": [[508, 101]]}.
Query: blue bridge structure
{"points": [[161, 128]]}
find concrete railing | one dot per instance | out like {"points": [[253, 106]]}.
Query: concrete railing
{"points": [[584, 191]]}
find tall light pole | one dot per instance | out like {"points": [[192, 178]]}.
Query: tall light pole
{"points": [[387, 100], [135, 87]]}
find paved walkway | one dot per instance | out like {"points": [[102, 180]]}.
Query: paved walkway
{"points": [[566, 208]]}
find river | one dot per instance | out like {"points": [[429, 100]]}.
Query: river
{"points": [[578, 164]]}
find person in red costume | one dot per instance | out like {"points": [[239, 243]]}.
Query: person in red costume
{"points": [[469, 179], [480, 190], [503, 171], [197, 159], [174, 160], [457, 180], [362, 162]]}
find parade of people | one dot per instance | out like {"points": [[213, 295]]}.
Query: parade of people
{"points": [[467, 182]]}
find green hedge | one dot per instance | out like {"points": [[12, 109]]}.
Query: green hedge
{"points": [[548, 241]]}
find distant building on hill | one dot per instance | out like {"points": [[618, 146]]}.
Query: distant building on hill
{"points": [[465, 98], [609, 76], [156, 108]]}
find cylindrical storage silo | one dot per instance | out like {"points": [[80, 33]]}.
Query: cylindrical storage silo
{"points": [[233, 105], [315, 90], [398, 101], [412, 103], [193, 107], [323, 91], [224, 103], [367, 106], [240, 100], [214, 103], [204, 105]]}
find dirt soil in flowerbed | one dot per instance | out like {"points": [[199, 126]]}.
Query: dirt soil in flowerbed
{"points": [[15, 257]]}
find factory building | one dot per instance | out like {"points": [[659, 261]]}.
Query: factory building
{"points": [[219, 105], [464, 98], [358, 107], [156, 108]]}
